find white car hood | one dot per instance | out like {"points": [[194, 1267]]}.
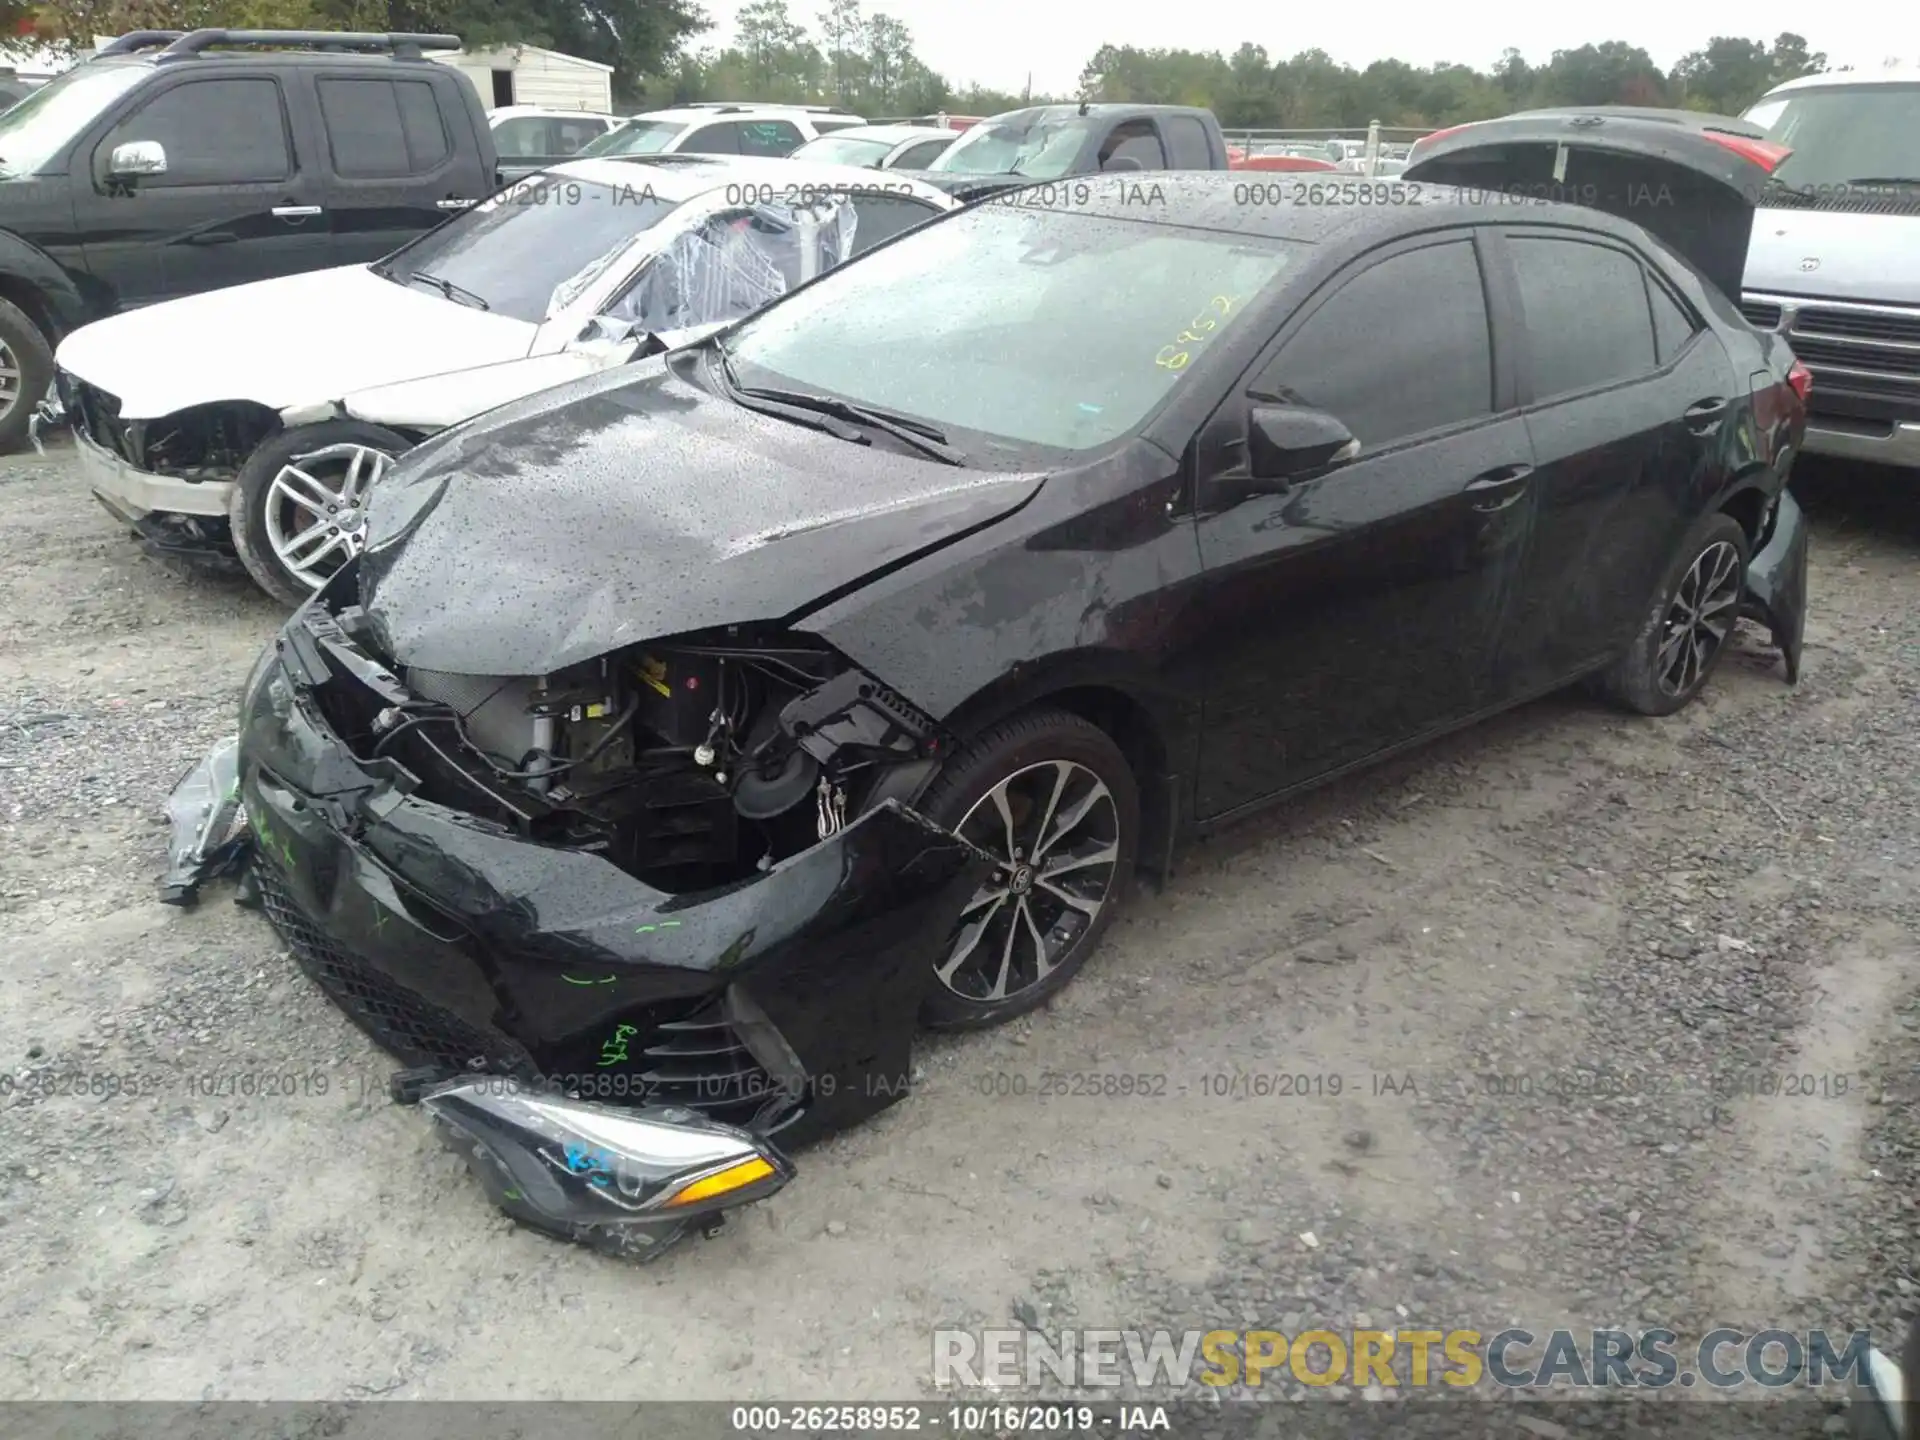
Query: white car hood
{"points": [[1855, 256], [297, 340]]}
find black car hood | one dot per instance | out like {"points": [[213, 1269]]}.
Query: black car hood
{"points": [[634, 505], [1691, 179]]}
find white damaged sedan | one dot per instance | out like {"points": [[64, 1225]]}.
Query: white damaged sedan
{"points": [[253, 419]]}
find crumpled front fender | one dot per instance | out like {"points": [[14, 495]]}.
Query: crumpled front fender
{"points": [[1777, 583]]}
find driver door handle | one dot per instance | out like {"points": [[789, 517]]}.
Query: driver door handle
{"points": [[295, 212], [453, 204]]}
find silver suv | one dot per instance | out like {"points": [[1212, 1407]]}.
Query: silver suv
{"points": [[1835, 258]]}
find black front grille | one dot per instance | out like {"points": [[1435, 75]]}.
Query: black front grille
{"points": [[1761, 315], [1845, 355], [1858, 324], [407, 1024], [699, 1062]]}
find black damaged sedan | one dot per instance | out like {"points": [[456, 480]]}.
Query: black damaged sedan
{"points": [[687, 736]]}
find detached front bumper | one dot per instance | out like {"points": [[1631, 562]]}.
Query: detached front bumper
{"points": [[784, 1005]]}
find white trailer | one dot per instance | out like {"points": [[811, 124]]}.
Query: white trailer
{"points": [[527, 75]]}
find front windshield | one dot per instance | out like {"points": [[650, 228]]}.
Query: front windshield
{"points": [[531, 249], [1045, 328], [1848, 141], [636, 137], [844, 150], [1043, 147], [39, 127]]}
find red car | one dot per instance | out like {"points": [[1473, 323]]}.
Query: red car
{"points": [[1238, 160]]}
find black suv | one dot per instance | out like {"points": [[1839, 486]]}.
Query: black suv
{"points": [[172, 163]]}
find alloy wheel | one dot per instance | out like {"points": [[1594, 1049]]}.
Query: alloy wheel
{"points": [[1699, 619], [9, 379], [1054, 833], [316, 516]]}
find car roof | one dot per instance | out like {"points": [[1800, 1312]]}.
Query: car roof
{"points": [[1231, 202], [1833, 79], [515, 112], [684, 177], [892, 134], [689, 115]]}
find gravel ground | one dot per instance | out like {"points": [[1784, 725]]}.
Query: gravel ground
{"points": [[1726, 898]]}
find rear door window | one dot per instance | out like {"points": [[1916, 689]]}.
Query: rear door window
{"points": [[382, 129], [1402, 349], [1584, 312], [769, 137], [722, 139], [1673, 326]]}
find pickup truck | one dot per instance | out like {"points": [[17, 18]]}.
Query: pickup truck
{"points": [[170, 163], [1052, 142]]}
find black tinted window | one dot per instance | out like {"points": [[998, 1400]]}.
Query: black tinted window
{"points": [[921, 155], [215, 132], [1187, 138], [881, 217], [1586, 318], [1672, 325], [1401, 349], [570, 137], [381, 128], [525, 137], [768, 137], [713, 140], [1134, 141]]}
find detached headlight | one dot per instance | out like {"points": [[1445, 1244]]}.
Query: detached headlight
{"points": [[630, 1181], [205, 823]]}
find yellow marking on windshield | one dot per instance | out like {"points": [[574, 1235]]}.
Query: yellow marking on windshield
{"points": [[1176, 356]]}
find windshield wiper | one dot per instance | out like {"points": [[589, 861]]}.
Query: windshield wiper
{"points": [[1883, 180], [764, 403], [922, 437], [450, 290]]}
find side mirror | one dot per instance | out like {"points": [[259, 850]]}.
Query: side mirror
{"points": [[137, 158], [1123, 162], [1285, 442]]}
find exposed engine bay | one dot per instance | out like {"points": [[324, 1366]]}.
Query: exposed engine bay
{"points": [[687, 763]]}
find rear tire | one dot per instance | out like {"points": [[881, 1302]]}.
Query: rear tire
{"points": [[268, 513], [1052, 797], [26, 370], [1688, 625]]}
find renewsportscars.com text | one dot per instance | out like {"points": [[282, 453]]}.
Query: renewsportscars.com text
{"points": [[1457, 1358]]}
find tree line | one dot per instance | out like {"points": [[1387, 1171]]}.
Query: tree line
{"points": [[866, 61]]}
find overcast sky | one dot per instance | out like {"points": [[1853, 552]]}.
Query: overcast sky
{"points": [[996, 42]]}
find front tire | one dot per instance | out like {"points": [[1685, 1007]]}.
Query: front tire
{"points": [[298, 511], [26, 370], [1051, 797], [1684, 635]]}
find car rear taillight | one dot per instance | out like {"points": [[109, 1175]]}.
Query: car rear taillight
{"points": [[1763, 153], [1801, 379]]}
